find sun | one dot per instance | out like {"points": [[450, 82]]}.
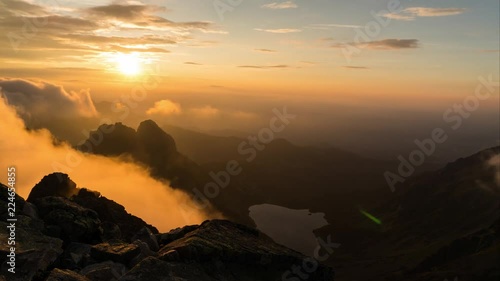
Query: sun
{"points": [[129, 64]]}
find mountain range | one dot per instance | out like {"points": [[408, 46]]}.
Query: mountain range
{"points": [[441, 223]]}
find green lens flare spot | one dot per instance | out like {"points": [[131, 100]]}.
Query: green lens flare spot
{"points": [[371, 217]]}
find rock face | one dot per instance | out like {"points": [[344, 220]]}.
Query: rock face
{"points": [[118, 223], [72, 234], [35, 251], [68, 220]]}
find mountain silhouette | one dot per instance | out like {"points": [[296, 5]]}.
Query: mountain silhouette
{"points": [[150, 146]]}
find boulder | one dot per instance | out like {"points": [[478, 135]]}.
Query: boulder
{"points": [[149, 269], [165, 238], [75, 255], [145, 235], [145, 252], [65, 275], [69, 221], [104, 271], [223, 249], [115, 251], [35, 252]]}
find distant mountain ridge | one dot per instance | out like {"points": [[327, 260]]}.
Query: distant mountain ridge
{"points": [[149, 145]]}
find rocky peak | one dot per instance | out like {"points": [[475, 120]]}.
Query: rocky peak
{"points": [[56, 184]]}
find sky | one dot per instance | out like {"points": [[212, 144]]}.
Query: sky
{"points": [[345, 66]]}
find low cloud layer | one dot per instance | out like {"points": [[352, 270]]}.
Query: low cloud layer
{"points": [[34, 156]]}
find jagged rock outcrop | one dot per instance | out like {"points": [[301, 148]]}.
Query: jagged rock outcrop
{"points": [[56, 184], [60, 236], [115, 222], [149, 145]]}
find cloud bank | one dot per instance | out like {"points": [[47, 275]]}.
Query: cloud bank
{"points": [[42, 100], [34, 155]]}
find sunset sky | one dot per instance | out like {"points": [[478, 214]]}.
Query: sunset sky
{"points": [[213, 56]]}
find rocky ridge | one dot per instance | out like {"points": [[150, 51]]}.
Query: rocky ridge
{"points": [[66, 233]]}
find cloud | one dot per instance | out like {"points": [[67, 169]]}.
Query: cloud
{"points": [[265, 66], [355, 67], [44, 105], [435, 12], [400, 17], [42, 100], [280, 5], [393, 44], [34, 155], [409, 14], [328, 26], [85, 33], [279, 30], [139, 16], [205, 111], [128, 50], [192, 63], [165, 107], [125, 12], [265, 50], [22, 8], [386, 44]]}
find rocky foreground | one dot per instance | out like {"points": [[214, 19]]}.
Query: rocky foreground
{"points": [[65, 233]]}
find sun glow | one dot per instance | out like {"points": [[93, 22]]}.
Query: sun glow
{"points": [[129, 64]]}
